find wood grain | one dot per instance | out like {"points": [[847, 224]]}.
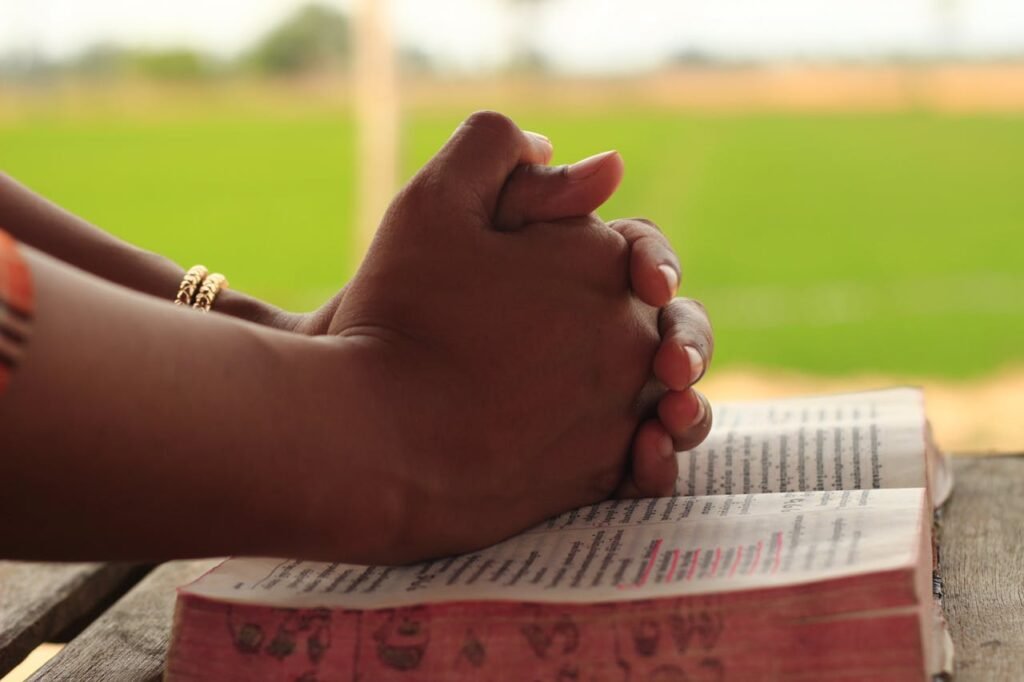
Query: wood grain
{"points": [[982, 563], [129, 641], [982, 536], [40, 600]]}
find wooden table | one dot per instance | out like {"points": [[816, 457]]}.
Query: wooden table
{"points": [[126, 611]]}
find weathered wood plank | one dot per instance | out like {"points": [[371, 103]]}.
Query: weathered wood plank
{"points": [[982, 565], [40, 600], [982, 559], [129, 641]]}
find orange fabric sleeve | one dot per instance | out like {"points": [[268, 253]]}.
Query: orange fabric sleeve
{"points": [[16, 305]]}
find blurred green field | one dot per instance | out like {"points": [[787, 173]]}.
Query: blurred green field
{"points": [[826, 243]]}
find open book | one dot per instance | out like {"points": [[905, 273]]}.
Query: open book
{"points": [[798, 547]]}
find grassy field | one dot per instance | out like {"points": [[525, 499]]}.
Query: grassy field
{"points": [[827, 243]]}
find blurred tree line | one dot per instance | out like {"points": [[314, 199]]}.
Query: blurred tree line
{"points": [[315, 38]]}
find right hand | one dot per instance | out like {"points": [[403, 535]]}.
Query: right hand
{"points": [[504, 372], [539, 193], [536, 192]]}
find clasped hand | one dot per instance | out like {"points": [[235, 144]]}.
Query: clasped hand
{"points": [[522, 356]]}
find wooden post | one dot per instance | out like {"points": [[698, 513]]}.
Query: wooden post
{"points": [[376, 116]]}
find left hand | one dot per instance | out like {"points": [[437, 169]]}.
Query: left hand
{"points": [[537, 192]]}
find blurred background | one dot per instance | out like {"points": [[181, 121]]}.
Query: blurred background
{"points": [[842, 180]]}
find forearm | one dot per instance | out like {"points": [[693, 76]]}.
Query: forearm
{"points": [[134, 429], [41, 224]]}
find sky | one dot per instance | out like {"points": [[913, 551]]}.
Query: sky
{"points": [[574, 35]]}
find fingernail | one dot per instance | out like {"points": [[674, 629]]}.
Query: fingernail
{"points": [[701, 411], [541, 140], [665, 446], [581, 170], [696, 364], [671, 278]]}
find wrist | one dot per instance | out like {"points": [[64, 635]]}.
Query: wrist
{"points": [[352, 496]]}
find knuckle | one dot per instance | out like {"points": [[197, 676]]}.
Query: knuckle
{"points": [[694, 436], [645, 221], [636, 227], [615, 245], [420, 185], [600, 252], [703, 319], [647, 238], [529, 176], [492, 123], [421, 192], [687, 318], [686, 308]]}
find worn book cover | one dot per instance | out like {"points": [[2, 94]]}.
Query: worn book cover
{"points": [[798, 547]]}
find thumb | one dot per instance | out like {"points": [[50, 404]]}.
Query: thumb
{"points": [[536, 193], [478, 158]]}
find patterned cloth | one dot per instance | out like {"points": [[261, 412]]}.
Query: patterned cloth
{"points": [[15, 307]]}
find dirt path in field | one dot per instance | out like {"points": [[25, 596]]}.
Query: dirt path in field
{"points": [[969, 417], [793, 87], [952, 88]]}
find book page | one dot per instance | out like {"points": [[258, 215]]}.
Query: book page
{"points": [[853, 441], [619, 550]]}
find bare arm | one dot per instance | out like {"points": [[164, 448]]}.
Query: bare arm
{"points": [[474, 382], [34, 220], [133, 428]]}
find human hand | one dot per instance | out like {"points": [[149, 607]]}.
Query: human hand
{"points": [[538, 192], [506, 368]]}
